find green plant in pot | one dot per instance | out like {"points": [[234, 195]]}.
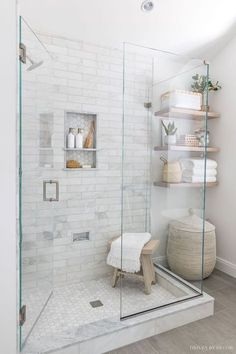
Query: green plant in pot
{"points": [[202, 85], [170, 131]]}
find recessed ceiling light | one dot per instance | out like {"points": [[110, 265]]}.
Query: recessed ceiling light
{"points": [[147, 6]]}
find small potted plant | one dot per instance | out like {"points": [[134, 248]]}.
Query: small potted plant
{"points": [[201, 85], [170, 130]]}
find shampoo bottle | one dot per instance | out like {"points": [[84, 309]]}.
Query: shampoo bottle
{"points": [[79, 139], [70, 139]]}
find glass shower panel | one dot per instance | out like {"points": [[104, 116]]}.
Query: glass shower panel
{"points": [[162, 207], [138, 78], [180, 189], [37, 224]]}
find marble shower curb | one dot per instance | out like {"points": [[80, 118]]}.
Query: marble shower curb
{"points": [[145, 326], [113, 333]]}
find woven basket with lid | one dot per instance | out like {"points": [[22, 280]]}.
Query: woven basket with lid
{"points": [[185, 244]]}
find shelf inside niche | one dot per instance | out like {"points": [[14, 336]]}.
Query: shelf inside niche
{"points": [[85, 156], [77, 149], [79, 169], [184, 185], [183, 113], [183, 148]]}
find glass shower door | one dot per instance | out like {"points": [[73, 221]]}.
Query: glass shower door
{"points": [[163, 209], [38, 188]]}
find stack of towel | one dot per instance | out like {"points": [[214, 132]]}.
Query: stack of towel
{"points": [[193, 170]]}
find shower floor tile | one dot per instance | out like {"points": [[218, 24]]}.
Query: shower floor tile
{"points": [[69, 315], [35, 300]]}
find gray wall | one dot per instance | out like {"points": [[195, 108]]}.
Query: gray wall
{"points": [[221, 200]]}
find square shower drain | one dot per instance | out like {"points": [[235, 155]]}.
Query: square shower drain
{"points": [[96, 303]]}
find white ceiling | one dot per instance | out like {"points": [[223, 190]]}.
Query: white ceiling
{"points": [[198, 27]]}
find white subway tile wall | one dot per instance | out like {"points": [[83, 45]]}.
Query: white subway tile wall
{"points": [[82, 77]]}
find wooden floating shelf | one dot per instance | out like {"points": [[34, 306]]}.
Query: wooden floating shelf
{"points": [[76, 149], [182, 113], [186, 148], [184, 185]]}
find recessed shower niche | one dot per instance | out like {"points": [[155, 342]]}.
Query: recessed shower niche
{"points": [[82, 157]]}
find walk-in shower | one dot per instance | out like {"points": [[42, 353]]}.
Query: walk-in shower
{"points": [[73, 201]]}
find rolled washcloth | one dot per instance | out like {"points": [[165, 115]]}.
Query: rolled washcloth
{"points": [[198, 179], [199, 172], [189, 164], [129, 249]]}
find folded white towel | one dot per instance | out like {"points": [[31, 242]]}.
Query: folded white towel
{"points": [[197, 163], [210, 172], [198, 179], [130, 247]]}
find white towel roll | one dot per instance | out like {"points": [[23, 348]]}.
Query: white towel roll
{"points": [[197, 163], [210, 172], [198, 179]]}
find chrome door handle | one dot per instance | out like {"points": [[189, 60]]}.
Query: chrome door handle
{"points": [[54, 193]]}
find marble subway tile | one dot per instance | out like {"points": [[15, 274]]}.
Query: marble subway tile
{"points": [[83, 77]]}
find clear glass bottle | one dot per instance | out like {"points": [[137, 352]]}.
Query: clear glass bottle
{"points": [[79, 139], [70, 139]]}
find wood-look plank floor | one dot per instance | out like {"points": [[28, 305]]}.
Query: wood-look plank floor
{"points": [[215, 334]]}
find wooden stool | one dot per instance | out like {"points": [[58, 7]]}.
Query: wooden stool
{"points": [[147, 271]]}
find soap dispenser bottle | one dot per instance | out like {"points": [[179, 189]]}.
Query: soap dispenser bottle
{"points": [[70, 139], [79, 139]]}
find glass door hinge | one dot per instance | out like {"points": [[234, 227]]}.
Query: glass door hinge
{"points": [[147, 105], [22, 55], [22, 316]]}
